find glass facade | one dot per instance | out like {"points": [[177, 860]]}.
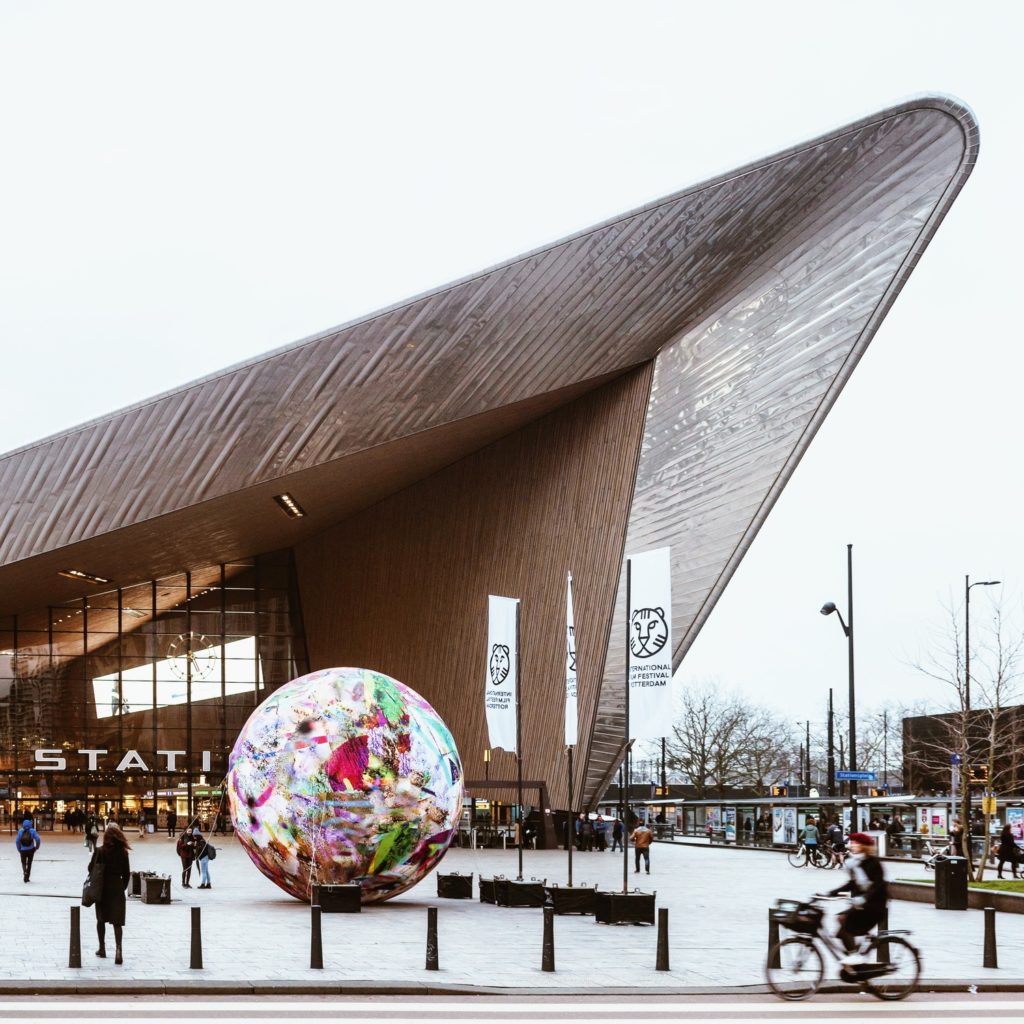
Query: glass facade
{"points": [[127, 702]]}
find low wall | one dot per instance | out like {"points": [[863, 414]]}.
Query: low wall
{"points": [[977, 899]]}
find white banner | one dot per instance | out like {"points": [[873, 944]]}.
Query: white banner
{"points": [[649, 616], [502, 661], [570, 668]]}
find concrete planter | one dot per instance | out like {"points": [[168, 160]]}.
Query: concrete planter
{"points": [[977, 899]]}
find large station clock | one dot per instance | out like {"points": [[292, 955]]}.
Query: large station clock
{"points": [[192, 649]]}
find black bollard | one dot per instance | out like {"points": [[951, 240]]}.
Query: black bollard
{"points": [[433, 961], [662, 962], [547, 959], [195, 961], [882, 950], [991, 958], [773, 941], [316, 942], [75, 949]]}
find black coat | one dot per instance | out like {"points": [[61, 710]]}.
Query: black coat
{"points": [[116, 876]]}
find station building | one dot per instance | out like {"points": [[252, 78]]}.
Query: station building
{"points": [[353, 498]]}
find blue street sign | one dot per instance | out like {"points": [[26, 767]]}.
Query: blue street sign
{"points": [[954, 759], [856, 776]]}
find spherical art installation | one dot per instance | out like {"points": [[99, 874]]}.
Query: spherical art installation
{"points": [[345, 775]]}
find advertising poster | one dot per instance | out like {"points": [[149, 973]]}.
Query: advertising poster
{"points": [[937, 819], [924, 821], [789, 827], [1015, 819], [570, 668], [778, 826], [730, 824]]}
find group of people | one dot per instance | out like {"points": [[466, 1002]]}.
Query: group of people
{"points": [[827, 835], [192, 848], [592, 834]]}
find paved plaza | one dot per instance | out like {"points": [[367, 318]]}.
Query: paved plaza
{"points": [[253, 933]]}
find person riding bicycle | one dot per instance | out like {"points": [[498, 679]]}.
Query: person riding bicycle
{"points": [[836, 841], [869, 892], [809, 836]]}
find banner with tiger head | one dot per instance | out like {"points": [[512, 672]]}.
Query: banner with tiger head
{"points": [[649, 622]]}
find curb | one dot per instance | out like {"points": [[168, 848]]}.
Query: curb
{"points": [[200, 989]]}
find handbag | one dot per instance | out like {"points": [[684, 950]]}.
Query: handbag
{"points": [[92, 888]]}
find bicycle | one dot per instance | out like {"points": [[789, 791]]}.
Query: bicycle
{"points": [[804, 855], [796, 967], [936, 856]]}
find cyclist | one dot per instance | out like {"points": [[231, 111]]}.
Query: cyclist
{"points": [[809, 837], [836, 842], [870, 896]]}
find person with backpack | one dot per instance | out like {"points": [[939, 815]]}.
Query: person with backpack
{"points": [[27, 841], [204, 853], [110, 907], [185, 849]]}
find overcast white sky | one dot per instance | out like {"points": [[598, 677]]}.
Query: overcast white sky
{"points": [[185, 186]]}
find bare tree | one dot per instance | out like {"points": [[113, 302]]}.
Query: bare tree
{"points": [[976, 725]]}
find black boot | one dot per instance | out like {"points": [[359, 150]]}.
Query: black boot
{"points": [[102, 951], [118, 959]]}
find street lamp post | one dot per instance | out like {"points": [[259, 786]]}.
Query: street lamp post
{"points": [[831, 747], [965, 759], [827, 609]]}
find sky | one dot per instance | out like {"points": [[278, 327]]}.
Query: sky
{"points": [[187, 186]]}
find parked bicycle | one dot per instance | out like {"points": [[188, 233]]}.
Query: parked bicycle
{"points": [[796, 966], [936, 853], [804, 855]]}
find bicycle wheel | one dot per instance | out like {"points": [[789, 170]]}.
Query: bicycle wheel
{"points": [[818, 857], [800, 971], [797, 857], [902, 973]]}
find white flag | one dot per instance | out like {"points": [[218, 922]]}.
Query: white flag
{"points": [[570, 668], [649, 617], [502, 662]]}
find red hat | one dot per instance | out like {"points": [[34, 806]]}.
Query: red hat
{"points": [[863, 838]]}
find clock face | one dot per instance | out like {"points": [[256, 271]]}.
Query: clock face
{"points": [[192, 649]]}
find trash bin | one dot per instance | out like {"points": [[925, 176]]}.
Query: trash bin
{"points": [[156, 889], [951, 884]]}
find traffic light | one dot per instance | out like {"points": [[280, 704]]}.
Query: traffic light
{"points": [[780, 791], [977, 775]]}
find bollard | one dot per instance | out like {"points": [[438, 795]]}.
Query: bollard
{"points": [[195, 962], [773, 941], [662, 961], [75, 949], [991, 958], [882, 949], [433, 961], [547, 960], [316, 943]]}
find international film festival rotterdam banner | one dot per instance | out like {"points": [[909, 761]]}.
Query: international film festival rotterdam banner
{"points": [[502, 662], [570, 668], [649, 616]]}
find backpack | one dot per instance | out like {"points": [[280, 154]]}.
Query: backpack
{"points": [[26, 834], [211, 851]]}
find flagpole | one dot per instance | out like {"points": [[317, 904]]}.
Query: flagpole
{"points": [[625, 755], [519, 750], [570, 831]]}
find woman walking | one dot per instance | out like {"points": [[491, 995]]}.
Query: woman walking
{"points": [[1007, 850], [201, 850], [113, 855]]}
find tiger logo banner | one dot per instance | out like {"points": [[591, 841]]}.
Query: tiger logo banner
{"points": [[649, 620], [501, 678]]}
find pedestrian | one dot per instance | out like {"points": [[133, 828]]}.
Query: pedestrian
{"points": [[185, 848], [894, 830], [201, 852], [641, 838], [616, 835], [600, 834], [92, 833], [809, 835], [956, 838], [27, 841], [172, 822], [1007, 850], [110, 907]]}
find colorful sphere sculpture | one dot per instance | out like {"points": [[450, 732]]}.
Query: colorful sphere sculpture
{"points": [[345, 776]]}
